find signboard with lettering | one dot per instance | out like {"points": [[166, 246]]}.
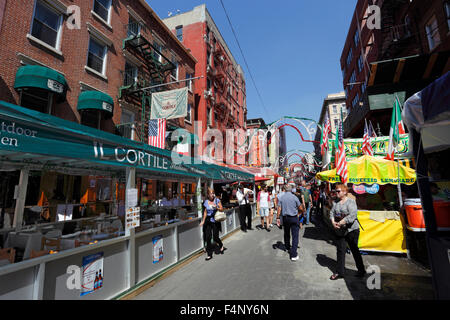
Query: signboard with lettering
{"points": [[353, 147], [169, 104]]}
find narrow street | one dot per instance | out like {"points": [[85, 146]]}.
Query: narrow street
{"points": [[255, 268]]}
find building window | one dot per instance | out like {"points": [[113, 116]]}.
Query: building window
{"points": [[36, 99], [134, 27], [174, 72], [208, 84], [102, 7], [189, 113], [189, 82], [447, 13], [363, 87], [131, 74], [349, 56], [179, 32], [336, 123], [360, 63], [352, 79], [156, 52], [355, 101], [127, 124], [334, 108], [432, 32], [97, 56], [46, 24], [356, 38], [209, 117]]}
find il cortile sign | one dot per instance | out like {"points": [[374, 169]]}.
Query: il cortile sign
{"points": [[32, 139]]}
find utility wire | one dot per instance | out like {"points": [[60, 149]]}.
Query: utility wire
{"points": [[245, 60]]}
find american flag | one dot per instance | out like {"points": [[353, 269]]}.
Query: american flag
{"points": [[326, 131], [366, 147], [341, 162], [157, 133]]}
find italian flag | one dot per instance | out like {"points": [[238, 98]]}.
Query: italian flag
{"points": [[397, 128]]}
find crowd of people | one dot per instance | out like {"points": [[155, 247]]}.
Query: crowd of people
{"points": [[290, 209]]}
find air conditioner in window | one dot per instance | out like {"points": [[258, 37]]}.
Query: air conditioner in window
{"points": [[221, 58]]}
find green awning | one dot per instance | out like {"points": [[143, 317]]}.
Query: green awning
{"points": [[30, 137], [34, 76], [95, 100]]}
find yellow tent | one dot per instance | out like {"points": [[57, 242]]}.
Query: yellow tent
{"points": [[370, 170]]}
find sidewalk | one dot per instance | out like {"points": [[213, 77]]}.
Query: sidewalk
{"points": [[254, 268]]}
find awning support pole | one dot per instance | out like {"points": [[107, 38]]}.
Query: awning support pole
{"points": [[198, 193], [130, 184], [20, 201]]}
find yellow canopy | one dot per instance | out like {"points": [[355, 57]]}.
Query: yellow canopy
{"points": [[370, 170]]}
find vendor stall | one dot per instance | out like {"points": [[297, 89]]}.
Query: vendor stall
{"points": [[75, 194], [427, 116], [382, 225]]}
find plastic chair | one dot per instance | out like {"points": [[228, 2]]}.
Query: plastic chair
{"points": [[35, 254], [55, 244], [8, 254]]}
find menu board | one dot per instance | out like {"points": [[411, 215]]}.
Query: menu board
{"points": [[132, 219]]}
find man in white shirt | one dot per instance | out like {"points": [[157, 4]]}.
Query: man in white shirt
{"points": [[245, 210]]}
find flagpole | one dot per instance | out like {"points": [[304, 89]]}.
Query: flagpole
{"points": [[399, 188]]}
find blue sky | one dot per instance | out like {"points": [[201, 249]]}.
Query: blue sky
{"points": [[292, 47]]}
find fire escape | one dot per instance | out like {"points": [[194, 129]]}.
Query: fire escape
{"points": [[154, 70], [221, 97]]}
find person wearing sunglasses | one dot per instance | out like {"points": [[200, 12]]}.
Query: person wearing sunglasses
{"points": [[343, 218]]}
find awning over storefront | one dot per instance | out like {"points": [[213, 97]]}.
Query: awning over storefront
{"points": [[33, 139], [96, 100], [34, 76]]}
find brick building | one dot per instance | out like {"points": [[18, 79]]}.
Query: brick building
{"points": [[332, 107], [122, 46], [221, 93], [408, 51]]}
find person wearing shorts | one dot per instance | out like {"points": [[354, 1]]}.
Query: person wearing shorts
{"points": [[263, 203]]}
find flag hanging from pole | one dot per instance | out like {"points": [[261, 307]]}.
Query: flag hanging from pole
{"points": [[341, 162], [157, 133], [366, 147], [397, 128], [325, 132]]}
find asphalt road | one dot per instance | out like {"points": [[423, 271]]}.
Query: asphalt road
{"points": [[256, 268]]}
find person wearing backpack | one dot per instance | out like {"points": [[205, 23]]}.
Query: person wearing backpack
{"points": [[212, 227]]}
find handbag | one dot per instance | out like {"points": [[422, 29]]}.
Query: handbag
{"points": [[220, 216]]}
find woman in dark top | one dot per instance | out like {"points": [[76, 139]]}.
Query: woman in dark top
{"points": [[212, 228]]}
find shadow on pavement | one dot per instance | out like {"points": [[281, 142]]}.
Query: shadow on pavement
{"points": [[279, 245]]}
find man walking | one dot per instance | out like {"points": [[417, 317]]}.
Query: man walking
{"points": [[245, 210], [289, 207]]}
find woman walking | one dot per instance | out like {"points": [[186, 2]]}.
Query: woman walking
{"points": [[343, 217], [212, 227], [263, 207]]}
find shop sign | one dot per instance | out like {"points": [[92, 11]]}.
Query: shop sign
{"points": [[353, 147], [169, 104], [359, 188], [133, 218], [280, 180], [55, 86], [362, 188], [373, 188]]}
